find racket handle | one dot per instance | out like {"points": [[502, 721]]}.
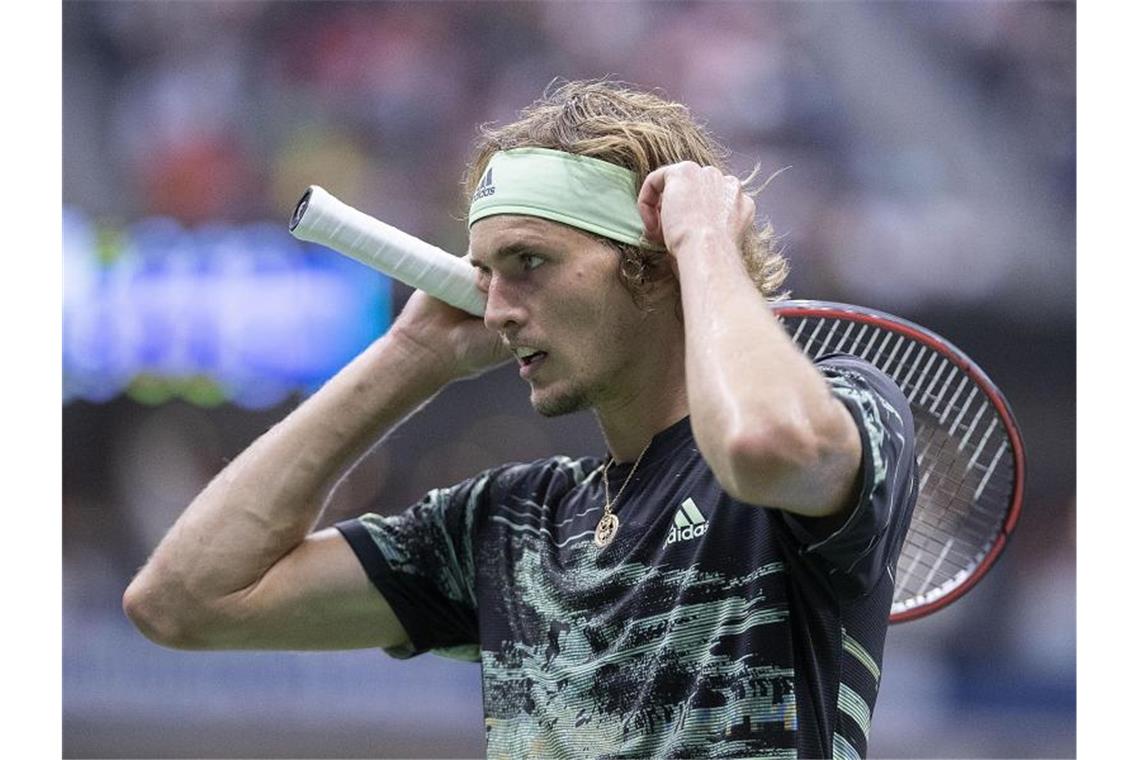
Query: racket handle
{"points": [[321, 218]]}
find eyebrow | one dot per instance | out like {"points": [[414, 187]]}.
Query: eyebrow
{"points": [[506, 251]]}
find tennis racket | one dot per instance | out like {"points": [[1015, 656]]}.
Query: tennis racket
{"points": [[971, 459]]}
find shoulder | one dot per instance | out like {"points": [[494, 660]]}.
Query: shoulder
{"points": [[551, 473], [502, 485], [867, 390], [848, 369]]}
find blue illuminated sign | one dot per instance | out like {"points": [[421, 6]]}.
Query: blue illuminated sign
{"points": [[227, 313]]}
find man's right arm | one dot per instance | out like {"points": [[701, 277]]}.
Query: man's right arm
{"points": [[241, 568]]}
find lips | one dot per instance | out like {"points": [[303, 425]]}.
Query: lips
{"points": [[529, 359], [526, 354]]}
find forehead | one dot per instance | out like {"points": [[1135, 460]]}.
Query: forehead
{"points": [[495, 233]]}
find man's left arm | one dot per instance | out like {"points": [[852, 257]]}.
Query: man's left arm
{"points": [[762, 415]]}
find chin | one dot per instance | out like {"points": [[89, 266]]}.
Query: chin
{"points": [[557, 404]]}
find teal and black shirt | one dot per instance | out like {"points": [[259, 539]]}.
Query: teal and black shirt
{"points": [[708, 628]]}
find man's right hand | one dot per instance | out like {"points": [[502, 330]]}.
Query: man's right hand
{"points": [[450, 341]]}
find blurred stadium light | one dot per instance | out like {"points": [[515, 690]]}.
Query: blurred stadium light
{"points": [[240, 314]]}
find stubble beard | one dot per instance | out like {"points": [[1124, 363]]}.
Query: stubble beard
{"points": [[569, 402]]}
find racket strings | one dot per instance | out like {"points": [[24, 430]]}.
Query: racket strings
{"points": [[962, 447], [953, 527]]}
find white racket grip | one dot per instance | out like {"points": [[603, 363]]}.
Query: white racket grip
{"points": [[323, 219]]}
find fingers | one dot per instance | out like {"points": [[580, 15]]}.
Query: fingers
{"points": [[678, 196], [649, 204], [651, 195]]}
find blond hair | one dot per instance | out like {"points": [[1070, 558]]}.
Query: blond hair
{"points": [[641, 131]]}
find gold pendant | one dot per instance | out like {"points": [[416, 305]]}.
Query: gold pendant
{"points": [[605, 531]]}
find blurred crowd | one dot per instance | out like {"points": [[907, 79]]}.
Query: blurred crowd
{"points": [[955, 170], [931, 154]]}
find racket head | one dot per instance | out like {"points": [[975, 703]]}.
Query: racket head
{"points": [[971, 456]]}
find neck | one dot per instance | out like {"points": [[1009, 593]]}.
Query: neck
{"points": [[629, 422], [626, 444]]}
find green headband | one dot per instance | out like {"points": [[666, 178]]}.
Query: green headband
{"points": [[580, 191]]}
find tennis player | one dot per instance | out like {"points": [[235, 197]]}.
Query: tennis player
{"points": [[717, 584]]}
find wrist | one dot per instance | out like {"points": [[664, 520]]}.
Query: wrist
{"points": [[703, 247], [419, 361]]}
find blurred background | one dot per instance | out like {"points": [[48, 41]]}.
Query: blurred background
{"points": [[932, 174]]}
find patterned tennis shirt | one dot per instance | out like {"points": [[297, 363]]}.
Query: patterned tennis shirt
{"points": [[708, 628]]}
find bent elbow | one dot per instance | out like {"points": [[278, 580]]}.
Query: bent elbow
{"points": [[161, 621], [796, 468], [759, 461]]}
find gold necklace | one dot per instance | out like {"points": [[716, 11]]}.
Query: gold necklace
{"points": [[608, 525]]}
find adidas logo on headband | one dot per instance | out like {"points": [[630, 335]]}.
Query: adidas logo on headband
{"points": [[486, 187], [579, 191]]}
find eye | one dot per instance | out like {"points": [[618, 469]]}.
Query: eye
{"points": [[531, 261]]}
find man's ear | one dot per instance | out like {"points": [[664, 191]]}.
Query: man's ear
{"points": [[660, 287], [662, 291]]}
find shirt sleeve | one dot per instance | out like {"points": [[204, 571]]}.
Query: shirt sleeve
{"points": [[421, 561], [853, 557]]}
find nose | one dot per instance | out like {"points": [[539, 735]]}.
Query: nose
{"points": [[505, 312]]}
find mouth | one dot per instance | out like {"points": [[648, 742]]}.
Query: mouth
{"points": [[529, 359]]}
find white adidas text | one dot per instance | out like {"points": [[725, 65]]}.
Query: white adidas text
{"points": [[685, 534]]}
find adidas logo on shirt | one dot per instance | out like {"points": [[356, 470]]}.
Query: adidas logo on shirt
{"points": [[688, 523], [486, 187]]}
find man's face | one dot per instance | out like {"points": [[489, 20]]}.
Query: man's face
{"points": [[553, 294]]}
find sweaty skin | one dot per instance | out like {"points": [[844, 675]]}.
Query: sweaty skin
{"points": [[764, 419], [242, 567]]}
